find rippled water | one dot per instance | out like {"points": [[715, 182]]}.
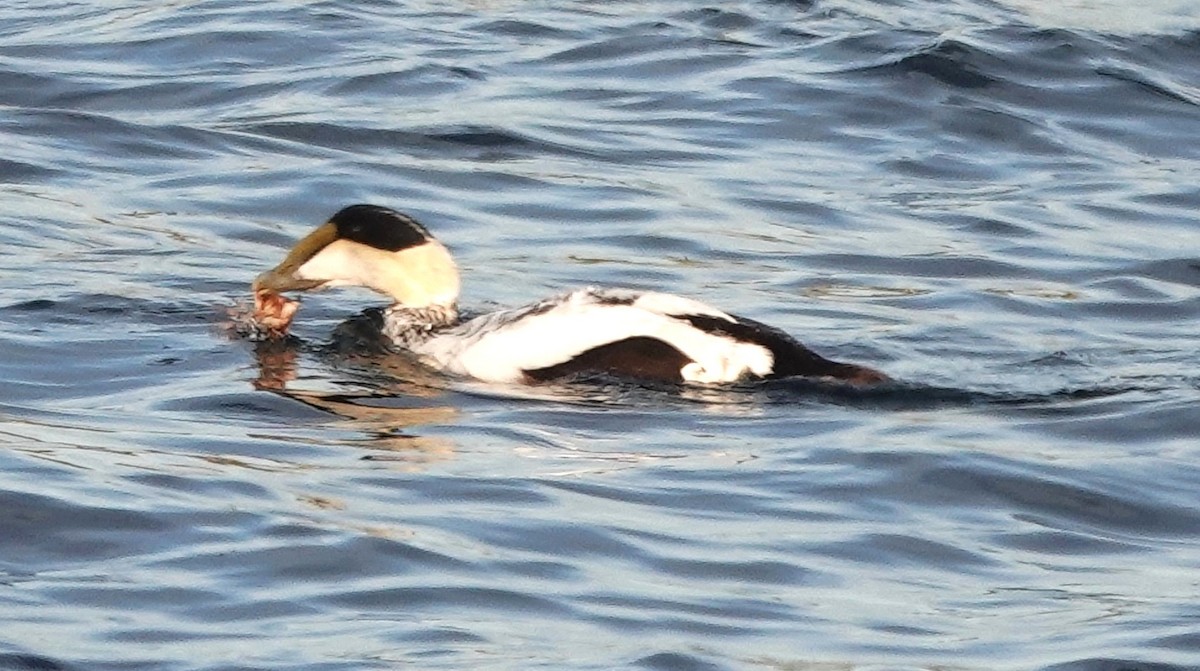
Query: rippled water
{"points": [[996, 202]]}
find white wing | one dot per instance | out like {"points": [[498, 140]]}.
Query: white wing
{"points": [[501, 346]]}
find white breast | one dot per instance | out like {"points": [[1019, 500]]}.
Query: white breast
{"points": [[499, 347]]}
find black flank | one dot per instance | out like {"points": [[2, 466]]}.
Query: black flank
{"points": [[640, 358], [379, 227]]}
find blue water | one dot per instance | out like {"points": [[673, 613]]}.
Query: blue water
{"points": [[997, 202]]}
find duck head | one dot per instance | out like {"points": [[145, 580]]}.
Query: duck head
{"points": [[373, 247]]}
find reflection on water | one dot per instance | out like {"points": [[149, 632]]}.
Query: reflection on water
{"points": [[380, 415]]}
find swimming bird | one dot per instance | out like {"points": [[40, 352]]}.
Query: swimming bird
{"points": [[632, 334]]}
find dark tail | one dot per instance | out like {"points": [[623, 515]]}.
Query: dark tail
{"points": [[792, 358]]}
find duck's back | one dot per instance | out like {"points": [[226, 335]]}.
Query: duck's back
{"points": [[641, 335]]}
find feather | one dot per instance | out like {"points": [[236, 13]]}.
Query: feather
{"points": [[630, 333], [503, 346]]}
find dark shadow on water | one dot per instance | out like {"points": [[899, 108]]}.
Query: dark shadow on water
{"points": [[915, 396], [357, 355], [1109, 664], [357, 350], [31, 662]]}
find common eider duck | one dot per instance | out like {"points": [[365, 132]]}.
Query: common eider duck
{"points": [[628, 334]]}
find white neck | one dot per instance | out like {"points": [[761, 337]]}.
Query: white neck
{"points": [[414, 277]]}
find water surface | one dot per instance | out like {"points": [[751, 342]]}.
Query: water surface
{"points": [[995, 202]]}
